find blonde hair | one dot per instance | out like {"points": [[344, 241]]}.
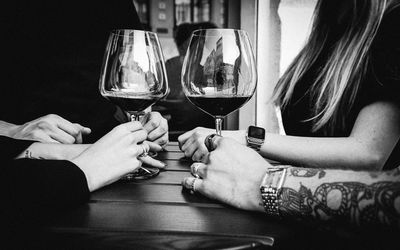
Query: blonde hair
{"points": [[337, 82]]}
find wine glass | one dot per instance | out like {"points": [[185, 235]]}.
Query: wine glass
{"points": [[133, 76], [219, 73]]}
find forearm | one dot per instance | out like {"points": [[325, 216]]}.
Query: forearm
{"points": [[6, 128], [360, 198], [52, 151], [328, 152]]}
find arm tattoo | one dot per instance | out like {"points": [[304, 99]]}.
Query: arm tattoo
{"points": [[351, 202], [307, 172]]}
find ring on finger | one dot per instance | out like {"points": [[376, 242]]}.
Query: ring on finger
{"points": [[192, 186], [194, 170], [146, 149], [209, 142]]}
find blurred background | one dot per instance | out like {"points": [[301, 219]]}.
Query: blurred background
{"points": [[277, 30]]}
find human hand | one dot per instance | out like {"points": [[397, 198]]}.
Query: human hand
{"points": [[113, 156], [192, 142], [157, 129], [50, 129], [232, 175]]}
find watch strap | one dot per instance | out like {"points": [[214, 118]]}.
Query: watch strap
{"points": [[271, 187]]}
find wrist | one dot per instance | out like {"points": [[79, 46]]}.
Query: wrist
{"points": [[8, 129], [271, 190]]}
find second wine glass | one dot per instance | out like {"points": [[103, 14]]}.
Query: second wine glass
{"points": [[133, 75], [219, 73]]}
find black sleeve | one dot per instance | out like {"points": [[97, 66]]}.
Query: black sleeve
{"points": [[35, 188], [11, 148]]}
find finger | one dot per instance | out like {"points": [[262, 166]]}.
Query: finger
{"points": [[189, 148], [184, 137], [162, 141], [62, 137], [47, 139], [67, 126], [193, 184], [156, 133], [153, 146], [140, 150], [139, 136], [200, 155], [79, 139], [152, 121], [84, 130], [198, 170], [131, 126], [152, 162]]}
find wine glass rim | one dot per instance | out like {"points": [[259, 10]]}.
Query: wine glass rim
{"points": [[115, 32], [224, 30]]}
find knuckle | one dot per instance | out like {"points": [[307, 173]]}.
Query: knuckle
{"points": [[35, 134], [42, 125], [154, 123], [51, 116]]}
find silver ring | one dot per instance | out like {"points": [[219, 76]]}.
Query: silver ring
{"points": [[193, 186], [194, 169], [209, 142], [145, 150]]}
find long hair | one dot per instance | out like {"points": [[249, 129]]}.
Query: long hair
{"points": [[345, 36]]}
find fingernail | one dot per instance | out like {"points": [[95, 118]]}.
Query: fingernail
{"points": [[163, 165]]}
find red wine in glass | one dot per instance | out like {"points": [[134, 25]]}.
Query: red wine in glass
{"points": [[219, 74], [218, 106], [133, 105], [133, 77]]}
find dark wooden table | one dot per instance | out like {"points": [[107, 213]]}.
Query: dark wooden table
{"points": [[159, 214]]}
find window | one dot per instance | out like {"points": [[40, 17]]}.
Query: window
{"points": [[189, 11]]}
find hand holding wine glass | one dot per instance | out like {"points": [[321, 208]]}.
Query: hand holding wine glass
{"points": [[219, 73], [133, 75]]}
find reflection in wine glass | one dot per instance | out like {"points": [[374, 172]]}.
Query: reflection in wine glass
{"points": [[133, 75], [219, 73]]}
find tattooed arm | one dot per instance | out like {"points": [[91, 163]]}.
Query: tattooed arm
{"points": [[233, 175], [360, 198]]}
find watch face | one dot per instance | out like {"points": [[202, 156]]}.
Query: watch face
{"points": [[256, 132]]}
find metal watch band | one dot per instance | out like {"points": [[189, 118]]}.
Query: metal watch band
{"points": [[255, 143], [271, 188]]}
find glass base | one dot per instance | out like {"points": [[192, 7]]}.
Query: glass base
{"points": [[141, 173]]}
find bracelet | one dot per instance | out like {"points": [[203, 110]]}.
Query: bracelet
{"points": [[271, 188], [28, 154]]}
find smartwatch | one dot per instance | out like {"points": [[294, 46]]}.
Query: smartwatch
{"points": [[255, 137]]}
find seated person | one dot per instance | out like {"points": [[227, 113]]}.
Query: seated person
{"points": [[339, 97], [181, 114], [41, 178]]}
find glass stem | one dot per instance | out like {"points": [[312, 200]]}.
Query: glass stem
{"points": [[134, 116], [218, 125]]}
